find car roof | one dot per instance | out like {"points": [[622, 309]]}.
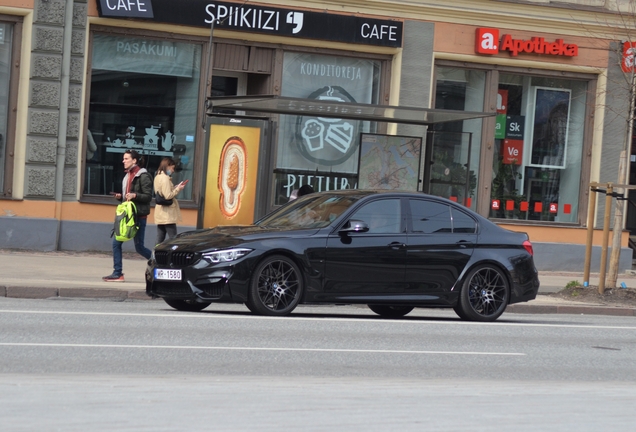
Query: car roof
{"points": [[368, 192], [362, 193]]}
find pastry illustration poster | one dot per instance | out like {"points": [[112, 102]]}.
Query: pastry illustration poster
{"points": [[232, 160]]}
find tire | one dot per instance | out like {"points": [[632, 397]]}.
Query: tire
{"points": [[276, 287], [388, 311], [484, 295], [187, 305]]}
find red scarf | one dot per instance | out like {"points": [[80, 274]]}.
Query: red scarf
{"points": [[131, 175]]}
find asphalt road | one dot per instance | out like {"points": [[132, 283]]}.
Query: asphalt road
{"points": [[103, 365]]}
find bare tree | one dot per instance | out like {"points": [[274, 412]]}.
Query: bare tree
{"points": [[618, 27]]}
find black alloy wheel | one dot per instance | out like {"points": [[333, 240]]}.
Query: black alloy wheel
{"points": [[484, 295], [388, 311], [276, 287], [187, 305]]}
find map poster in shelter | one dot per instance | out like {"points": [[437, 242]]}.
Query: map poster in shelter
{"points": [[389, 162]]}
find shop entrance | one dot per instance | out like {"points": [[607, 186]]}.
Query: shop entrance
{"points": [[447, 166]]}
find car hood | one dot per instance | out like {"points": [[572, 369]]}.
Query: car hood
{"points": [[222, 237]]}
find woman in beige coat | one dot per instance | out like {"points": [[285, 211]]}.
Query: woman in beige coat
{"points": [[167, 216]]}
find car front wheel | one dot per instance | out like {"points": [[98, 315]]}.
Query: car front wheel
{"points": [[187, 305], [276, 287], [391, 311], [484, 295]]}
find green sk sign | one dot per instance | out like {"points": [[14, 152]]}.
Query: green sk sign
{"points": [[500, 126]]}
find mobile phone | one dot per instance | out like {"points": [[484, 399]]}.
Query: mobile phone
{"points": [[185, 182], [113, 193]]}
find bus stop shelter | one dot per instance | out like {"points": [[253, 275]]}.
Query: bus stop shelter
{"points": [[226, 110]]}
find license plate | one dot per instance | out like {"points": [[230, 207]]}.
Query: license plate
{"points": [[164, 274]]}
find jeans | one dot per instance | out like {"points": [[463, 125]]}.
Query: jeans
{"points": [[139, 247]]}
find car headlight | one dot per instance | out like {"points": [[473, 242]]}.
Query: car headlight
{"points": [[226, 255]]}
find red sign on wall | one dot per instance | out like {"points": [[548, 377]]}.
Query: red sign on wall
{"points": [[627, 62], [512, 151], [487, 42]]}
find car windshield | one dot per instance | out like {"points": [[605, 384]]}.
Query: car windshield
{"points": [[311, 211]]}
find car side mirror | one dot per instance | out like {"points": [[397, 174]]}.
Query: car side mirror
{"points": [[355, 226]]}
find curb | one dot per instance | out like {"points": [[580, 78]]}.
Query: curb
{"points": [[26, 292], [570, 309]]}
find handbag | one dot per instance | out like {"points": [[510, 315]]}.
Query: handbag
{"points": [[160, 200]]}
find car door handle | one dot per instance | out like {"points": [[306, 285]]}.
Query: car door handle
{"points": [[397, 245], [464, 243]]}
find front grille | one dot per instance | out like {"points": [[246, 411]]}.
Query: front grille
{"points": [[162, 258], [172, 289], [176, 259], [182, 290], [183, 259]]}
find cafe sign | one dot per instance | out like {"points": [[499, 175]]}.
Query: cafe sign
{"points": [[247, 17], [488, 42]]}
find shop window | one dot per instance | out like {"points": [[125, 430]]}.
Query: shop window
{"points": [[144, 96], [6, 43], [538, 148], [322, 152], [453, 160]]}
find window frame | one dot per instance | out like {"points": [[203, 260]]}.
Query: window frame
{"points": [[12, 108], [201, 134], [488, 133]]}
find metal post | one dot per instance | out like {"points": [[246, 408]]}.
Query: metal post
{"points": [[591, 215], [606, 222]]}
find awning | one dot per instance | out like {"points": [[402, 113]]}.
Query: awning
{"points": [[343, 110]]}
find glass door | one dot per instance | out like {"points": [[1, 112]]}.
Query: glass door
{"points": [[447, 166]]}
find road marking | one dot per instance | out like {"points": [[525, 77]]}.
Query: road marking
{"points": [[360, 319], [212, 348]]}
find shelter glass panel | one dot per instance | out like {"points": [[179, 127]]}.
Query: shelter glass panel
{"points": [[322, 151]]}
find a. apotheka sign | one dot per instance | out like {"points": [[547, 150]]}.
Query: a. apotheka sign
{"points": [[487, 41]]}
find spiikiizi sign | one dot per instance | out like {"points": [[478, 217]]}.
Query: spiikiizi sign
{"points": [[487, 41], [245, 16]]}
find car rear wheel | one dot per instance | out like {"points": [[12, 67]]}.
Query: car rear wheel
{"points": [[187, 305], [388, 311], [276, 287], [484, 295]]}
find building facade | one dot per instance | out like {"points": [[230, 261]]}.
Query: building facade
{"points": [[85, 80]]}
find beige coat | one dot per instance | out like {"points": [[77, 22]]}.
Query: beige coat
{"points": [[166, 214]]}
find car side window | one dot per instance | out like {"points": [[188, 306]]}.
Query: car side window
{"points": [[462, 223], [382, 216], [430, 217]]}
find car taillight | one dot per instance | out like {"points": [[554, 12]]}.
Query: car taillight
{"points": [[528, 246]]}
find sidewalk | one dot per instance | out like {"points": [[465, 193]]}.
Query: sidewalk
{"points": [[41, 275]]}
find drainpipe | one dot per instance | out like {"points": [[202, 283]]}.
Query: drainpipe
{"points": [[62, 128]]}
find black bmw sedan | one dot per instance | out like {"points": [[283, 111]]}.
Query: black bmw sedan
{"points": [[393, 251]]}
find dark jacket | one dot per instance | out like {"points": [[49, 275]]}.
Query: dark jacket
{"points": [[142, 186]]}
